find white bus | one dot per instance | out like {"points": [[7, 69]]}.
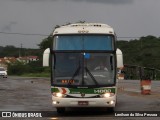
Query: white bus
{"points": [[83, 66]]}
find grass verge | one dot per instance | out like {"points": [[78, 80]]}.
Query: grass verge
{"points": [[36, 75]]}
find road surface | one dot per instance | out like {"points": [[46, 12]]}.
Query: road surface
{"points": [[33, 94]]}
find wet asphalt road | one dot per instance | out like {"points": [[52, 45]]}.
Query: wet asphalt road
{"points": [[33, 94]]}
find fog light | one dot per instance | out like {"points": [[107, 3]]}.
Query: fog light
{"points": [[54, 102], [112, 102], [60, 95]]}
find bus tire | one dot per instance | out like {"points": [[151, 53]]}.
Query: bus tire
{"points": [[60, 110]]}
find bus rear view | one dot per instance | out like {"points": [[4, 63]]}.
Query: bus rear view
{"points": [[83, 63]]}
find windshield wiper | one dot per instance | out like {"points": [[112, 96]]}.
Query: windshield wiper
{"points": [[95, 81], [75, 74]]}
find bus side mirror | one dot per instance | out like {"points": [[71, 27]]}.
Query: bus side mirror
{"points": [[119, 58], [46, 54]]}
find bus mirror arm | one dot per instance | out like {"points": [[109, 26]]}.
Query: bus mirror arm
{"points": [[75, 74]]}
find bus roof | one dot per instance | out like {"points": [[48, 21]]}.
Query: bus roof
{"points": [[84, 28]]}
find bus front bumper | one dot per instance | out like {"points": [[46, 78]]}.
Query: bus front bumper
{"points": [[84, 102]]}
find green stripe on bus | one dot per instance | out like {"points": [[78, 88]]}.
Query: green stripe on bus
{"points": [[86, 90], [54, 90]]}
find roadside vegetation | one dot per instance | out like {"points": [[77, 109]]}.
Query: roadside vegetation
{"points": [[142, 52], [32, 69]]}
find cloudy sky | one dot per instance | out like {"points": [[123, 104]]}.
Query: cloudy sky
{"points": [[129, 18]]}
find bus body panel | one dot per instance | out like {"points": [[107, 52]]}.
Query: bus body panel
{"points": [[84, 97], [91, 102], [92, 96], [88, 28]]}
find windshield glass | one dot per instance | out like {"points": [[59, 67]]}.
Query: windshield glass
{"points": [[83, 42], [83, 69], [67, 66]]}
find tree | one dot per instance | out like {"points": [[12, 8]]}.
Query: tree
{"points": [[9, 50], [46, 43]]}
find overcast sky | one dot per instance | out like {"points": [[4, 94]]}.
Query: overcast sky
{"points": [[129, 18]]}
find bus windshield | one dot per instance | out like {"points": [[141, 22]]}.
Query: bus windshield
{"points": [[83, 69], [83, 42]]}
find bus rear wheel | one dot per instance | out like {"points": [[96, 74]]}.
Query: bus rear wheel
{"points": [[60, 110]]}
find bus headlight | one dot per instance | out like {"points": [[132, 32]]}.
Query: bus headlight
{"points": [[106, 95], [58, 95]]}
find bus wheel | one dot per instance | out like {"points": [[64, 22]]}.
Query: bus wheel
{"points": [[110, 109], [60, 110]]}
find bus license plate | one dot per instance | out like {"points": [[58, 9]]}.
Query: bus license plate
{"points": [[82, 102]]}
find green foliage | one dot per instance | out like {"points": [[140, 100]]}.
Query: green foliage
{"points": [[46, 43], [142, 52], [43, 74], [19, 68], [8, 51]]}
